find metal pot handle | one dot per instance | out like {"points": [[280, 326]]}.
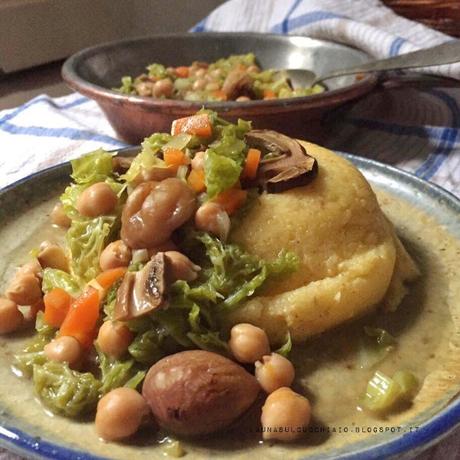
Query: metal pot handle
{"points": [[389, 80]]}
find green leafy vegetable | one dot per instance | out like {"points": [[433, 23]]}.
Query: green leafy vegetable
{"points": [[146, 347], [235, 274], [54, 278], [157, 71], [149, 156], [93, 167], [384, 393], [126, 85], [221, 173], [86, 239], [33, 353], [115, 373], [285, 349], [225, 156], [110, 300], [65, 391]]}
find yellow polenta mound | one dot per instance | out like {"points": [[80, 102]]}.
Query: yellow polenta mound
{"points": [[350, 257]]}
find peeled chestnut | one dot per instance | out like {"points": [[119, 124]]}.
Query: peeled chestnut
{"points": [[198, 392]]}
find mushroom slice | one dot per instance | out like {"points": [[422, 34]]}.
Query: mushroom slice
{"points": [[294, 168], [143, 291], [238, 83], [121, 164]]}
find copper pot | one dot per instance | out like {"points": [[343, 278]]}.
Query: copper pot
{"points": [[95, 71]]}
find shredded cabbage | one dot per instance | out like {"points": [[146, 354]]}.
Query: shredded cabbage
{"points": [[33, 353], [117, 373], [286, 348], [225, 156], [148, 157], [54, 278], [86, 239], [65, 391], [127, 86], [146, 348], [93, 167]]}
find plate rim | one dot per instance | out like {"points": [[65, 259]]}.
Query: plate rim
{"points": [[429, 433]]}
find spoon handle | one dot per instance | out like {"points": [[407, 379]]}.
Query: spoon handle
{"points": [[446, 53]]}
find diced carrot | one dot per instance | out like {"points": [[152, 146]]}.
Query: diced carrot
{"points": [[107, 278], [269, 94], [80, 321], [199, 125], [182, 71], [57, 304], [219, 95], [252, 163], [175, 157], [231, 200], [196, 180]]}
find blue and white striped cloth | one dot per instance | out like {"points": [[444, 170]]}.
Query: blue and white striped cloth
{"points": [[413, 129]]}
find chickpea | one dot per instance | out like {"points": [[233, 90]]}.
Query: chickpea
{"points": [[30, 268], [253, 69], [10, 316], [199, 84], [242, 99], [182, 268], [116, 254], [200, 73], [198, 160], [163, 87], [216, 73], [98, 199], [120, 413], [287, 410], [64, 349], [24, 289], [212, 86], [248, 343], [53, 256], [144, 88], [212, 218], [274, 371], [59, 217], [114, 338]]}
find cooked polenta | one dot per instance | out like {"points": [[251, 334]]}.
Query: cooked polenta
{"points": [[350, 258]]}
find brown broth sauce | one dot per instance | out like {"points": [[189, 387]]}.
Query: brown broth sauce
{"points": [[328, 370]]}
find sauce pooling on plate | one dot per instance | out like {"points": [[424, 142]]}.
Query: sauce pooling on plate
{"points": [[147, 309]]}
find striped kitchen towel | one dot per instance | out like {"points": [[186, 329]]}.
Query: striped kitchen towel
{"points": [[413, 129]]}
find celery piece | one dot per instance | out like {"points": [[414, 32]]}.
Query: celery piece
{"points": [[383, 392], [376, 344]]}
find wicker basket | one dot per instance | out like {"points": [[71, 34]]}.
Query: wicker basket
{"points": [[441, 15]]}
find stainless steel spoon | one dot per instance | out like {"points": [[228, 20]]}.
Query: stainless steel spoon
{"points": [[446, 53]]}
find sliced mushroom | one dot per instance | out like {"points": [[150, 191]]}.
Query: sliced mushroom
{"points": [[293, 168], [143, 291], [121, 164], [238, 83]]}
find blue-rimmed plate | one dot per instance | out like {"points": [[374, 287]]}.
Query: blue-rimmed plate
{"points": [[419, 211]]}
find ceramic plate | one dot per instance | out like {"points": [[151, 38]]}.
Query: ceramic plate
{"points": [[25, 429]]}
